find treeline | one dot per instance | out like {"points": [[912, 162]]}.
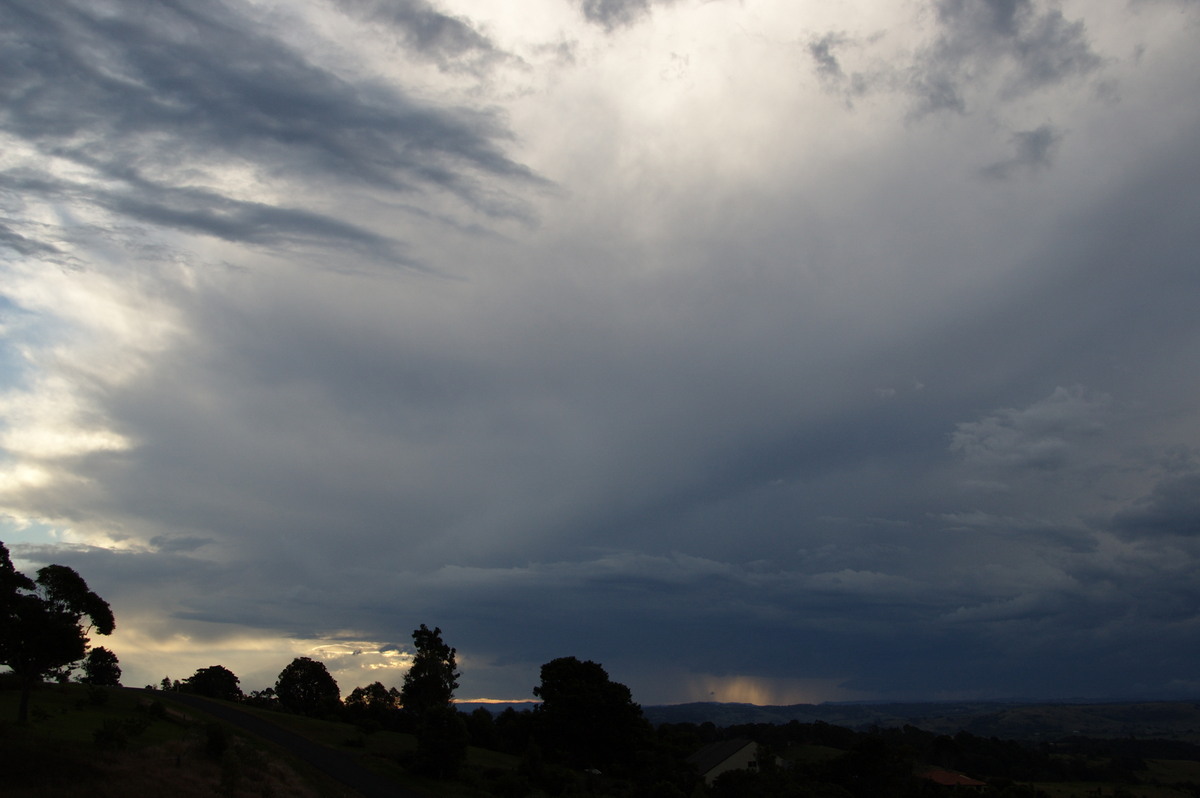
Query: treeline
{"points": [[423, 706], [587, 736]]}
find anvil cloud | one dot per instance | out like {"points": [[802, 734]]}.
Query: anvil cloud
{"points": [[771, 351]]}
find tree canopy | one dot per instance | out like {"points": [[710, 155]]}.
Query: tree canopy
{"points": [[427, 694], [42, 628], [431, 681], [305, 686], [101, 668], [374, 696], [585, 718], [374, 704], [215, 681]]}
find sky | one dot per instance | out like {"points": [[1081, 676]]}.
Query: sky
{"points": [[773, 351]]}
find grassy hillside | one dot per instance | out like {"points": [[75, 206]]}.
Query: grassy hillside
{"points": [[127, 743], [111, 742], [130, 743]]}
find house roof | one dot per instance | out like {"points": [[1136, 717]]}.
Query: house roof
{"points": [[714, 754], [950, 779]]}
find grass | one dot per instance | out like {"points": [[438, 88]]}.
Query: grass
{"points": [[384, 751], [1164, 778], [122, 744], [812, 754], [1173, 771], [128, 743], [74, 713], [1089, 789]]}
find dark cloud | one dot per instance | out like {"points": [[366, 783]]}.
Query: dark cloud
{"points": [[1033, 150], [453, 43], [22, 245], [1030, 45], [175, 544], [824, 52], [1040, 436], [612, 14], [248, 222], [154, 99], [209, 213], [1172, 508], [983, 52]]}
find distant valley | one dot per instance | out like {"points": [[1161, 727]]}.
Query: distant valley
{"points": [[1175, 720]]}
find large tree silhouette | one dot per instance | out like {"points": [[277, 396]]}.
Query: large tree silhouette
{"points": [[215, 681], [427, 694], [585, 719], [306, 686], [101, 668], [42, 628], [431, 681]]}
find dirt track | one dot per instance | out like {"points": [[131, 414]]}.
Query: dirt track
{"points": [[338, 765]]}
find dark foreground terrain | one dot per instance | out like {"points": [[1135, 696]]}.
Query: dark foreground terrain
{"points": [[129, 743]]}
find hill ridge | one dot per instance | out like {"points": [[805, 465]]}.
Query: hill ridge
{"points": [[1006, 719]]}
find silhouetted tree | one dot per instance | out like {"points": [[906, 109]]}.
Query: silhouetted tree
{"points": [[41, 622], [374, 696], [586, 719], [264, 698], [373, 705], [427, 694], [431, 681], [306, 687], [515, 730], [442, 739], [482, 726], [215, 681], [101, 668]]}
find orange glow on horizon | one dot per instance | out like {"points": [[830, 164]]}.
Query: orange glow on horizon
{"points": [[530, 701], [763, 691]]}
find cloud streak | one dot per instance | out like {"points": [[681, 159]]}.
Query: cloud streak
{"points": [[148, 108]]}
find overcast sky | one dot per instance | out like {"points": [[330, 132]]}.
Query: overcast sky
{"points": [[760, 350]]}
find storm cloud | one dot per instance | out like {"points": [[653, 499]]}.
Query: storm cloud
{"points": [[751, 349]]}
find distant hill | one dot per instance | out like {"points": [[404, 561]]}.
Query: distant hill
{"points": [[1175, 720], [495, 707]]}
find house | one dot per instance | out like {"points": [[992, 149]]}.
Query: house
{"points": [[948, 778], [716, 758]]}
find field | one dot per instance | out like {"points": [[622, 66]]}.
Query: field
{"points": [[111, 742], [1085, 789], [1164, 778], [130, 743]]}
